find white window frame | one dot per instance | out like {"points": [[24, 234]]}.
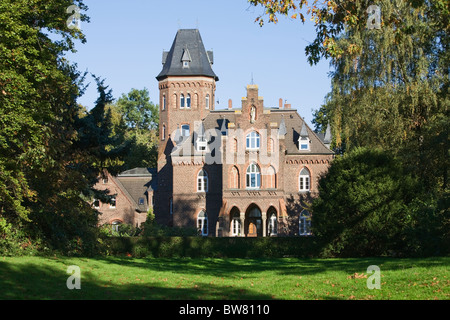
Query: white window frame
{"points": [[115, 225], [201, 143], [304, 223], [236, 227], [113, 200], [304, 181], [253, 173], [164, 102], [273, 225], [182, 101], [202, 181], [185, 130], [188, 101], [304, 142], [252, 141], [202, 223], [207, 101], [93, 204]]}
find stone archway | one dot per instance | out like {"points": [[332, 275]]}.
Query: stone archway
{"points": [[253, 222]]}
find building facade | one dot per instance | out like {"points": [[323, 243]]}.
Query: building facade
{"points": [[246, 171], [132, 192]]}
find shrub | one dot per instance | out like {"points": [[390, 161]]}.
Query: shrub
{"points": [[363, 206]]}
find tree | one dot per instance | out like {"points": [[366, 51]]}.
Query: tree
{"points": [[390, 82], [141, 120], [138, 111], [51, 151], [363, 205], [35, 82]]}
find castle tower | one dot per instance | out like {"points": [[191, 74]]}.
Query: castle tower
{"points": [[187, 87]]}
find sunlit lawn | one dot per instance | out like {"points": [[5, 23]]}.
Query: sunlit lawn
{"points": [[287, 278]]}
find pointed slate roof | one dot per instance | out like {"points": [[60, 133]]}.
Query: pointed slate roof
{"points": [[190, 41], [327, 138], [303, 132]]}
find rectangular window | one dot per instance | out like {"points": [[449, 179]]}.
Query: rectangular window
{"points": [[185, 130], [201, 143], [112, 205], [141, 201]]}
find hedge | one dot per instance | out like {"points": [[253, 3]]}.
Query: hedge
{"points": [[196, 247]]}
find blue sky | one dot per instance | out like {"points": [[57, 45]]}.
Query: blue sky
{"points": [[125, 40]]}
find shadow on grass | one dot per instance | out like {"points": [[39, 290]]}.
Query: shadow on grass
{"points": [[24, 278], [33, 281], [280, 266]]}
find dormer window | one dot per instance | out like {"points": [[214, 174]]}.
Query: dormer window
{"points": [[303, 140], [201, 143], [303, 144], [186, 58]]}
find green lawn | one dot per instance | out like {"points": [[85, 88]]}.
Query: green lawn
{"points": [[287, 278]]}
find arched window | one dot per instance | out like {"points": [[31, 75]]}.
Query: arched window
{"points": [[253, 176], [234, 178], [304, 180], [271, 178], [272, 224], [253, 140], [115, 225], [304, 223], [188, 101], [163, 132], [181, 101], [207, 101], [236, 224], [185, 130], [164, 103], [202, 181], [202, 223]]}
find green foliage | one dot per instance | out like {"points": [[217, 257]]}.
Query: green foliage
{"points": [[153, 229], [51, 150], [136, 120], [364, 203], [138, 111], [211, 247]]}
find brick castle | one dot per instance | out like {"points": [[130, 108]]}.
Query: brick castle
{"points": [[249, 170]]}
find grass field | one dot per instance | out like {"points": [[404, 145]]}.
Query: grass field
{"points": [[232, 279]]}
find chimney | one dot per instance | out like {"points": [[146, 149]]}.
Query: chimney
{"points": [[281, 103], [287, 105], [230, 104]]}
